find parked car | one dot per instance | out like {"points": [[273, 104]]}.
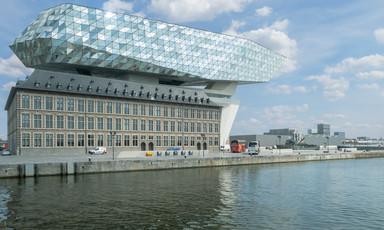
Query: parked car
{"points": [[98, 150], [5, 152]]}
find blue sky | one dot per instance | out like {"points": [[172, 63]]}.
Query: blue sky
{"points": [[334, 71]]}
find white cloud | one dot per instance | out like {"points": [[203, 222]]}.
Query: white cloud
{"points": [[13, 67], [254, 121], [337, 115], [356, 65], [195, 10], [302, 108], [372, 75], [265, 11], [8, 86], [273, 38], [368, 86], [286, 89], [379, 34], [334, 89], [118, 6], [300, 89]]}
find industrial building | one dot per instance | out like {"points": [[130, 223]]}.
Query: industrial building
{"points": [[127, 82]]}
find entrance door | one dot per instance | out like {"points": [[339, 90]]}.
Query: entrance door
{"points": [[143, 146], [205, 146], [150, 146], [198, 146]]}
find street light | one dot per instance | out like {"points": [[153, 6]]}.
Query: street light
{"points": [[279, 144], [328, 142], [113, 144], [203, 136]]}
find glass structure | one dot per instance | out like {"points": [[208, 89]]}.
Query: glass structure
{"points": [[68, 37]]}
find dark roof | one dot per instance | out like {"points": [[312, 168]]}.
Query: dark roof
{"points": [[50, 81]]}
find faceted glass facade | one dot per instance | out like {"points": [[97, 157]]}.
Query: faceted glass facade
{"points": [[83, 36]]}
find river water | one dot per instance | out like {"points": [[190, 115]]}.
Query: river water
{"points": [[346, 194]]}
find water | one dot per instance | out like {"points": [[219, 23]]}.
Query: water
{"points": [[346, 194]]}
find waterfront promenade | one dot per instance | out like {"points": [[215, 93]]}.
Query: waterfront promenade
{"points": [[25, 166]]}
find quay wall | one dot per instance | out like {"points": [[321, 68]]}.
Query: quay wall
{"points": [[124, 165]]}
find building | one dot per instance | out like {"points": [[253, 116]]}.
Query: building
{"points": [[324, 129], [110, 79], [340, 134], [312, 131], [296, 135]]}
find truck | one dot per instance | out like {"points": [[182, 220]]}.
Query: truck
{"points": [[98, 150], [253, 148]]}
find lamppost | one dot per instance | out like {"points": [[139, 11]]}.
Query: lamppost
{"points": [[328, 142], [203, 136], [113, 144], [279, 144]]}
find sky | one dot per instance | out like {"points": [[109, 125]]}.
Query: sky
{"points": [[334, 71]]}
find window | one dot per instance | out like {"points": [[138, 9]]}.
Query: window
{"points": [[80, 105], [71, 104], [134, 109], [60, 104], [71, 122], [49, 140], [210, 127], [172, 126], [60, 140], [178, 112], [80, 140], [25, 102], [198, 127], [165, 126], [25, 140], [109, 140], [142, 110], [118, 124], [91, 124], [172, 111], [210, 114], [142, 125], [109, 107], [37, 121], [198, 114], [204, 114], [179, 128], [118, 140], [165, 111], [210, 141], [37, 140], [48, 103], [59, 122], [216, 141], [37, 102], [158, 126], [185, 113], [173, 143], [100, 141], [126, 108], [80, 123], [158, 140], [192, 141], [91, 140], [118, 108], [100, 106], [48, 121], [150, 110], [126, 140], [134, 124], [216, 128], [216, 115], [71, 140], [126, 124], [100, 123], [165, 141], [134, 140], [185, 140], [109, 123], [185, 127], [179, 140], [150, 125], [90, 106], [192, 113], [204, 127], [158, 111], [192, 127]]}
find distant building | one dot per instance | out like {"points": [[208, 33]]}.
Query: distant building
{"points": [[340, 134], [286, 132], [324, 129], [312, 131]]}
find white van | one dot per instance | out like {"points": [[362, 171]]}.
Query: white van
{"points": [[253, 148], [98, 150]]}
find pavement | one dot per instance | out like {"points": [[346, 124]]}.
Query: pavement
{"points": [[109, 157]]}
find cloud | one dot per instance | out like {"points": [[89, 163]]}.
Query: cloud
{"points": [[272, 37], [379, 34], [357, 65], [8, 86], [337, 115], [118, 6], [265, 11], [13, 67], [372, 75], [286, 89], [334, 89], [369, 86], [195, 10]]}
